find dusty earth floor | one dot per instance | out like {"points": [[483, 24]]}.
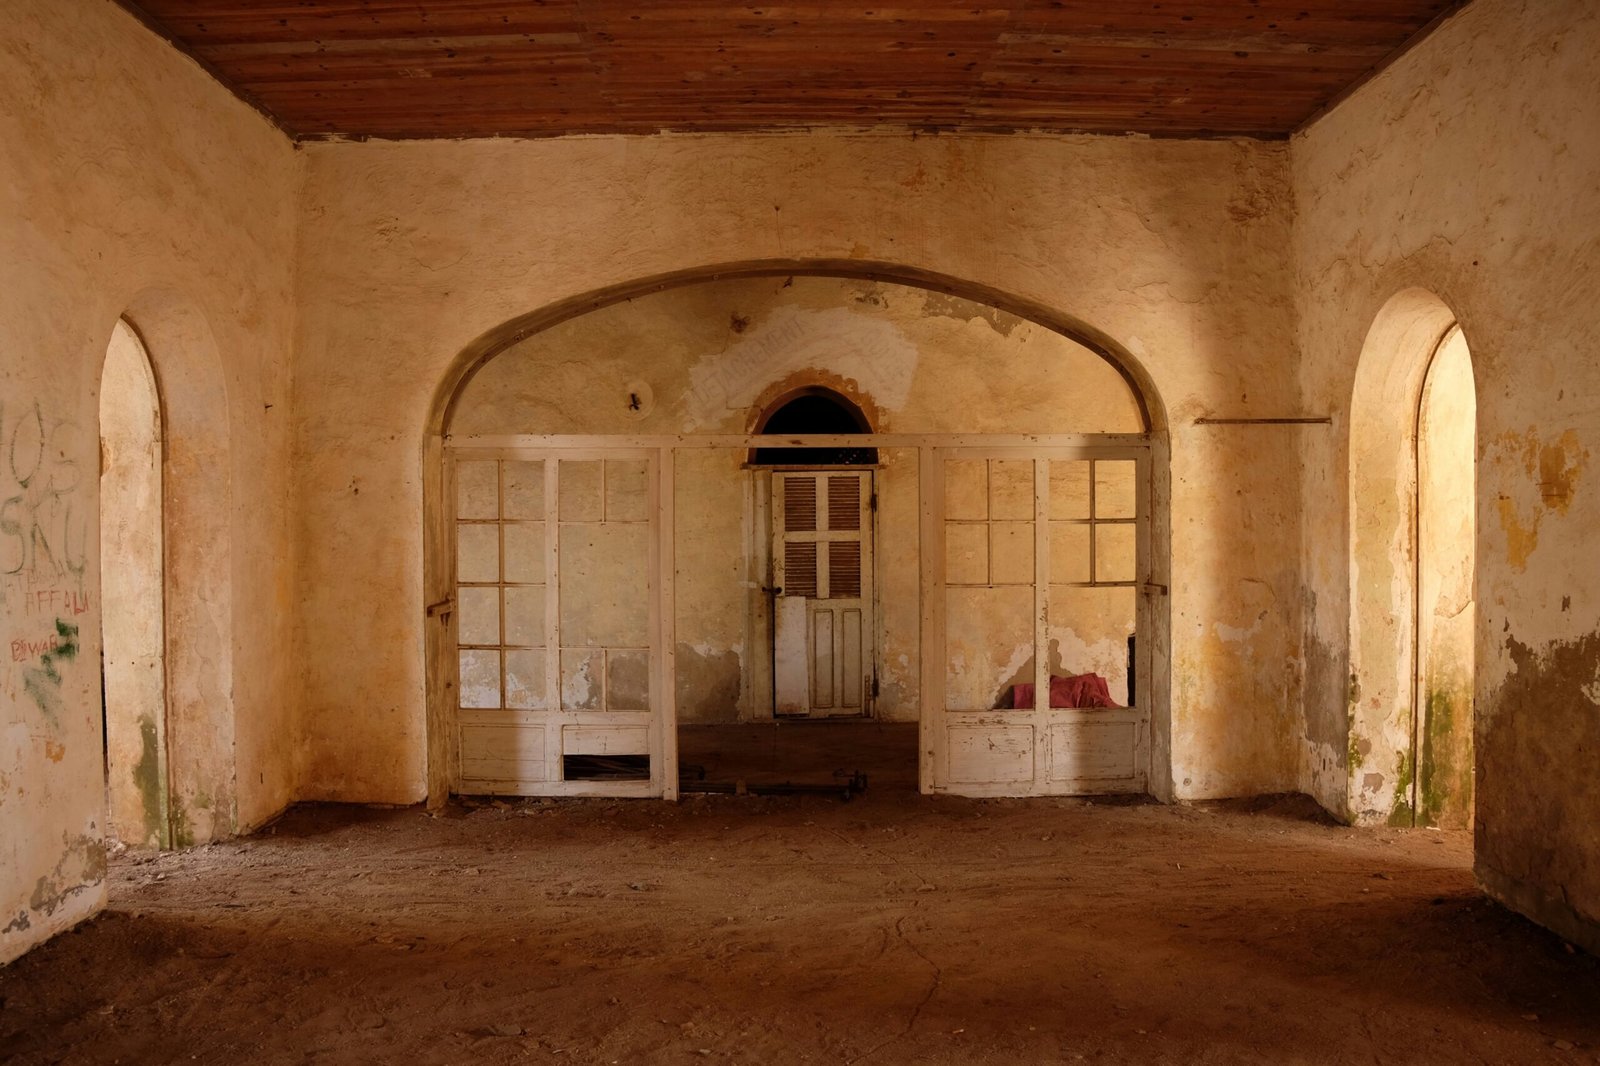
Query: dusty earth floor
{"points": [[892, 929]]}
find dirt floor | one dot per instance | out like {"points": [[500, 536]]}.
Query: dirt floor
{"points": [[892, 929]]}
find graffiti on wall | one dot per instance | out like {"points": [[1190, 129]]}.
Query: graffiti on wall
{"points": [[44, 547], [44, 527]]}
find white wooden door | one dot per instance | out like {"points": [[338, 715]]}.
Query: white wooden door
{"points": [[560, 682], [822, 574], [1035, 566]]}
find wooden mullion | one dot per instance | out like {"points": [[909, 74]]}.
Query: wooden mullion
{"points": [[1094, 521], [1143, 617], [552, 618], [824, 512], [931, 727], [869, 592], [1041, 623], [500, 586], [664, 704]]}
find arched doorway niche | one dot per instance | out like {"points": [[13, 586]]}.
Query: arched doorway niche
{"points": [[1413, 499], [133, 585], [624, 369], [187, 795]]}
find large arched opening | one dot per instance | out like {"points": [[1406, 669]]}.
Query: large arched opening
{"points": [[1413, 503], [615, 435]]}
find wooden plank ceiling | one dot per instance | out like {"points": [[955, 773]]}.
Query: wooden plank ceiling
{"points": [[475, 68]]}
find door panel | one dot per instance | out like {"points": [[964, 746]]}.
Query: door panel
{"points": [[822, 570], [556, 622], [791, 658], [991, 754], [822, 658], [1036, 559]]}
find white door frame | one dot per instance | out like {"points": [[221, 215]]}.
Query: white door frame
{"points": [[1035, 736], [554, 732], [1153, 687]]}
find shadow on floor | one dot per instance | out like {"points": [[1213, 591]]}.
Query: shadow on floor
{"points": [[800, 752]]}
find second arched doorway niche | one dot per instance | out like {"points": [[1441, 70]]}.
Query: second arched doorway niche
{"points": [[1413, 610], [1010, 506]]}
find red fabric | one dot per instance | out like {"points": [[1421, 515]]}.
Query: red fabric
{"points": [[1079, 690]]}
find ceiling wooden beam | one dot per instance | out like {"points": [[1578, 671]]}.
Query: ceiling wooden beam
{"points": [[400, 69]]}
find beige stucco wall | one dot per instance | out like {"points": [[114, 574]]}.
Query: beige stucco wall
{"points": [[1469, 169], [131, 182], [410, 251]]}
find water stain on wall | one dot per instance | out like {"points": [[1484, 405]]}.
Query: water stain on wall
{"points": [[708, 683], [82, 866], [1444, 787], [1560, 465], [1557, 469], [147, 778], [1327, 670], [1535, 771]]}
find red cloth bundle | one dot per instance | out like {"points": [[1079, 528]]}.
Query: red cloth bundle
{"points": [[1079, 690]]}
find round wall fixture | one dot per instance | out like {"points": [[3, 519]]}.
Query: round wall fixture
{"points": [[638, 399]]}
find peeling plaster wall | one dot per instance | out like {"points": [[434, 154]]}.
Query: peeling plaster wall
{"points": [[412, 250], [131, 182], [1469, 168]]}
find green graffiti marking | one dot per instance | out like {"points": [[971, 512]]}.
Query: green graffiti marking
{"points": [[42, 683]]}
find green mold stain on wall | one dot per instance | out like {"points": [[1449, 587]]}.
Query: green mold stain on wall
{"points": [[1405, 774], [147, 778], [1445, 787], [182, 831]]}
